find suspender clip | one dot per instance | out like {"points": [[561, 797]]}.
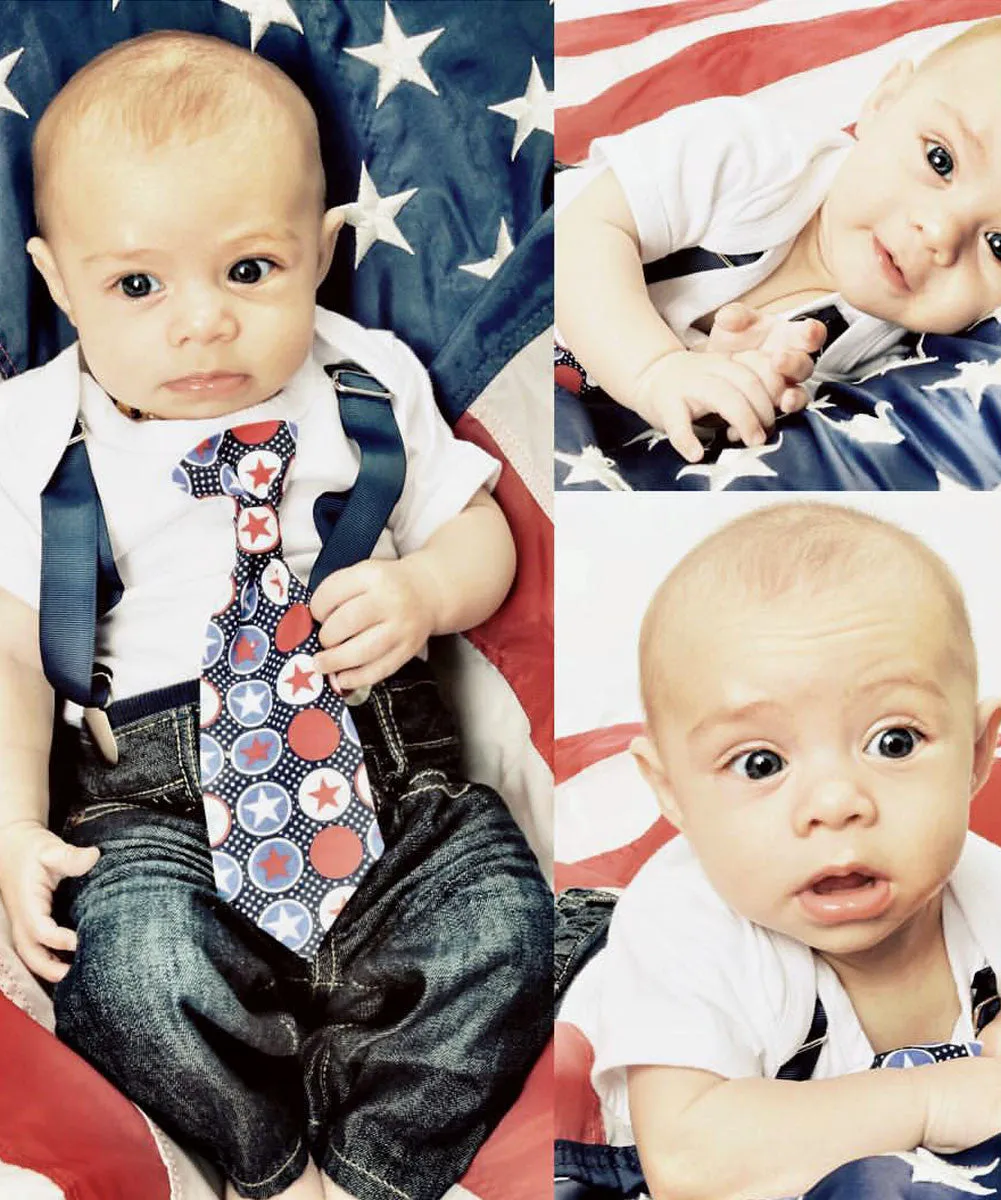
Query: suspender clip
{"points": [[97, 722], [79, 432], [354, 382]]}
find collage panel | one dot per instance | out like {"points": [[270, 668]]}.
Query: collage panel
{"points": [[276, 599], [772, 717], [788, 193]]}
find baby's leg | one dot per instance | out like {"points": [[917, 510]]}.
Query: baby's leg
{"points": [[178, 1002], [439, 997]]}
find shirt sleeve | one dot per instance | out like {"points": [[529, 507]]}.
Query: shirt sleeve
{"points": [[20, 552], [720, 174], [674, 988], [443, 472]]}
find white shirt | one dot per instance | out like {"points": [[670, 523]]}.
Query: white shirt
{"points": [[725, 175], [685, 981], [174, 553]]}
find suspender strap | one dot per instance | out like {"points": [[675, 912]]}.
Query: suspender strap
{"points": [[692, 260], [615, 1168], [802, 1064], [79, 580], [984, 998], [350, 532]]}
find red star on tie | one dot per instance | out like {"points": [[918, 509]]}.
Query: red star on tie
{"points": [[325, 794], [299, 680], [275, 864], [255, 527], [245, 647], [256, 752], [261, 475]]}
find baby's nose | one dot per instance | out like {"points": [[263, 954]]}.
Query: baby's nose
{"points": [[941, 231], [834, 801], [202, 315]]}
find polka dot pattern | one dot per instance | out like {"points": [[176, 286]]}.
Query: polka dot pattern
{"points": [[290, 810]]}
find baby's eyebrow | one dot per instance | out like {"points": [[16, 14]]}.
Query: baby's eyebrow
{"points": [[956, 116], [143, 253]]}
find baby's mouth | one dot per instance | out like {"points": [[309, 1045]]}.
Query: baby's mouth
{"points": [[892, 273], [835, 896]]}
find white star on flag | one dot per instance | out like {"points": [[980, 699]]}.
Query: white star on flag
{"points": [[865, 428], [374, 217], [533, 110], [284, 925], [263, 13], [919, 360], [489, 267], [7, 98], [397, 57], [263, 808], [971, 377], [592, 466], [738, 463], [929, 1168]]}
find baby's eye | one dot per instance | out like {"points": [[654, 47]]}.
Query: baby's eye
{"points": [[758, 764], [939, 159], [898, 742], [250, 270], [139, 285], [993, 240]]}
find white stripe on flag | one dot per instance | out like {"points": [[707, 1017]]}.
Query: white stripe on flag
{"points": [[16, 1183], [605, 806]]}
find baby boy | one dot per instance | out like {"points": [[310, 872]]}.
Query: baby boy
{"points": [[183, 231], [898, 227], [827, 904]]}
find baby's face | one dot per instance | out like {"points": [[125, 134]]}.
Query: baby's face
{"points": [[819, 753], [189, 271], [911, 228]]}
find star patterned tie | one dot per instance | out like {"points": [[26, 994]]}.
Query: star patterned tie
{"points": [[287, 802]]}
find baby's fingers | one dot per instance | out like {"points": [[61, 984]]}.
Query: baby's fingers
{"points": [[676, 421], [33, 952], [63, 860], [794, 366]]}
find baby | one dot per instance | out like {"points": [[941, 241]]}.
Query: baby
{"points": [[899, 227], [180, 201], [827, 904]]}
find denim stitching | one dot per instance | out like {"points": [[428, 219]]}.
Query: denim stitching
{"points": [[181, 757], [391, 732], [274, 1174], [370, 1174]]}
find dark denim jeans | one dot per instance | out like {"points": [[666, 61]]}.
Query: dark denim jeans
{"points": [[388, 1058]]}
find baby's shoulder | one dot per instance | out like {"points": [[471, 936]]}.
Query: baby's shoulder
{"points": [[37, 412], [380, 352]]}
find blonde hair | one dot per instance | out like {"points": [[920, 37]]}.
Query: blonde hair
{"points": [[164, 87], [805, 548]]}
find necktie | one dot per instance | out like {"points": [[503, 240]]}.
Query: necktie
{"points": [[287, 801]]}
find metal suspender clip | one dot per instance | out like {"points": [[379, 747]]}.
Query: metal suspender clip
{"points": [[355, 382], [98, 723], [79, 432]]}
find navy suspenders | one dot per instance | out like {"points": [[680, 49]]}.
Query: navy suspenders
{"points": [[79, 579]]}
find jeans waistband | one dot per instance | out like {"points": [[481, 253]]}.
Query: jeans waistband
{"points": [[403, 726]]}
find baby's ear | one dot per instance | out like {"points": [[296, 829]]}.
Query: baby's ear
{"points": [[887, 90], [644, 751], [42, 257], [988, 723], [330, 227]]}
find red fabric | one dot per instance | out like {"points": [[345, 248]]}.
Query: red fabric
{"points": [[66, 1122], [578, 1110], [588, 34], [517, 1161], [614, 868], [518, 638], [694, 73], [580, 750]]}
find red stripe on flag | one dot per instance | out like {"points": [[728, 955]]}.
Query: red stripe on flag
{"points": [[59, 1117], [614, 868], [518, 638], [516, 1162], [589, 34], [740, 62], [580, 750]]}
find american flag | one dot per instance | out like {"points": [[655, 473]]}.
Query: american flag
{"points": [[436, 121], [620, 63]]}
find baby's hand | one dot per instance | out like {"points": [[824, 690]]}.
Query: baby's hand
{"points": [[32, 862], [789, 344], [373, 617], [963, 1102], [743, 388]]}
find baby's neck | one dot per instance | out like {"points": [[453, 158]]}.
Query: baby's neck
{"points": [[903, 990], [801, 277]]}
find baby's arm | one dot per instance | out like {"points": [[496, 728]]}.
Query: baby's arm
{"points": [[605, 313], [376, 615], [32, 860], [703, 1137]]}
